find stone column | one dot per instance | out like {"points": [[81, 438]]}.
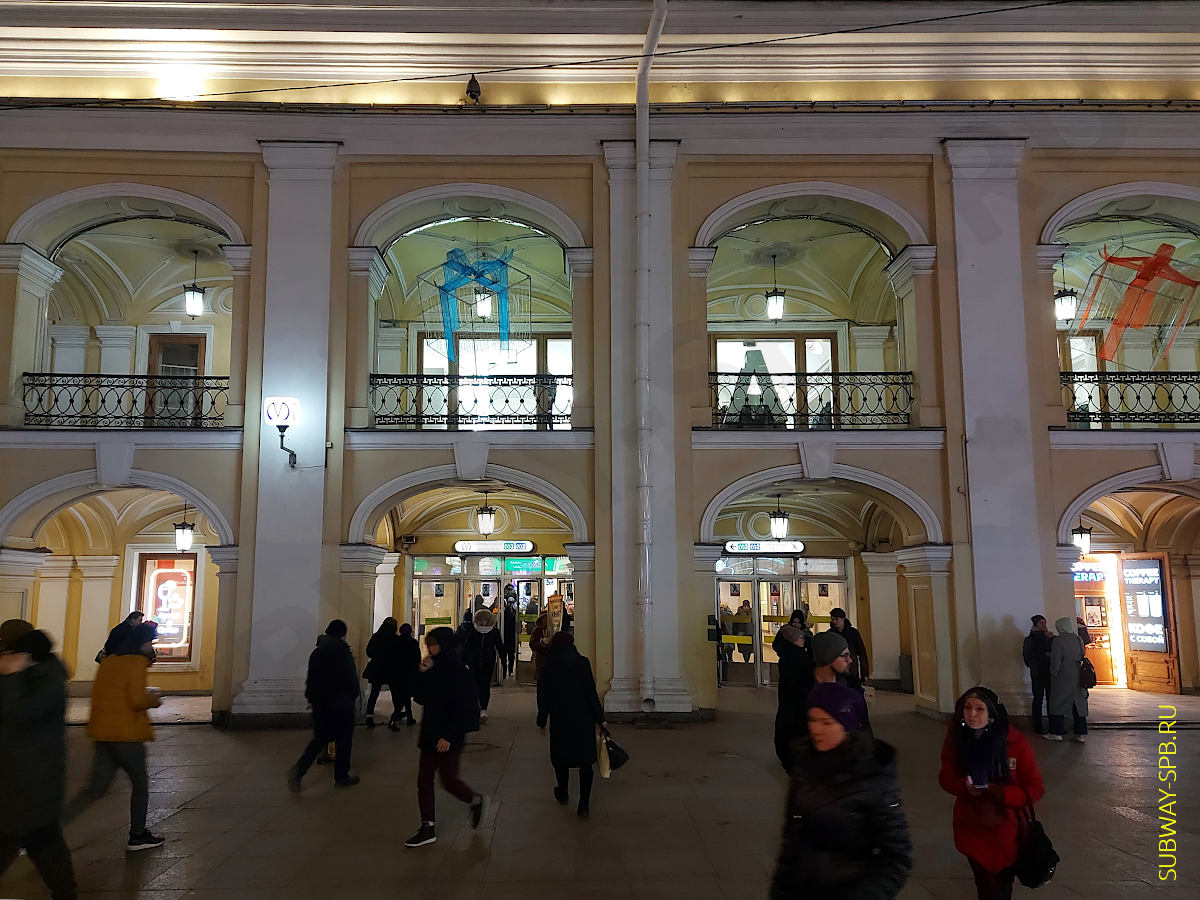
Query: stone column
{"points": [[68, 345], [26, 280], [1003, 456], [368, 274], [18, 569], [359, 569], [580, 268], [700, 260], [238, 256], [885, 615], [1138, 346], [53, 597], [583, 561], [226, 560], [911, 275], [95, 611], [867, 342], [1182, 355], [927, 582], [391, 351], [288, 553], [116, 348], [1048, 257], [385, 589], [704, 592]]}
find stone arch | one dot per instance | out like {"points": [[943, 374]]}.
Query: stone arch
{"points": [[911, 502], [33, 226], [1079, 205], [30, 510], [545, 214], [369, 512], [719, 219], [1148, 477]]}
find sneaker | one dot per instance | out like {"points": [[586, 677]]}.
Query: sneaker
{"points": [[1079, 738], [1053, 737], [348, 781], [144, 841], [425, 835], [483, 715], [476, 810], [293, 779], [583, 812], [561, 795]]}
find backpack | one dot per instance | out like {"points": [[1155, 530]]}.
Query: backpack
{"points": [[1087, 674]]}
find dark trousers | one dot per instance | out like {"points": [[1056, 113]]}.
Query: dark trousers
{"points": [[1041, 693], [992, 885], [335, 725], [1058, 724], [108, 756], [49, 854], [483, 685], [400, 703], [563, 774], [446, 764], [508, 660], [376, 687]]}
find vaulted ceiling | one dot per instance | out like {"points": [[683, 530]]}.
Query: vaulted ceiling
{"points": [[1147, 520], [105, 522]]}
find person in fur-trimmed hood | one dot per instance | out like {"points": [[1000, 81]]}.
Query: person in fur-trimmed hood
{"points": [[480, 650]]}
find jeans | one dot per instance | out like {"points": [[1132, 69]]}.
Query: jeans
{"points": [[335, 725], [130, 757], [1041, 693], [49, 854], [992, 885], [508, 660], [563, 774], [447, 765], [374, 696], [1058, 724]]}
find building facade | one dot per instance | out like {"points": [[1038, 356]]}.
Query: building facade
{"points": [[906, 287]]}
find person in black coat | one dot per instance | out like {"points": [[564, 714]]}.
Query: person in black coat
{"points": [[844, 833], [120, 634], [464, 630], [1035, 652], [406, 676], [33, 756], [796, 679], [383, 667], [567, 700], [332, 689], [508, 640], [447, 696], [860, 666], [479, 654]]}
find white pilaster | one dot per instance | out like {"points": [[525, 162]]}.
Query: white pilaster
{"points": [[1001, 465], [391, 351], [69, 348], [910, 274], [116, 348], [290, 503], [53, 589], [225, 557], [385, 588], [927, 576], [26, 279], [868, 342], [580, 265], [1138, 347], [885, 615], [1182, 355], [239, 257], [18, 568], [94, 615], [368, 275]]}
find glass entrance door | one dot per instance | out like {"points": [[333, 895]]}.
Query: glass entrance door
{"points": [[739, 632], [484, 595], [776, 600], [437, 604]]}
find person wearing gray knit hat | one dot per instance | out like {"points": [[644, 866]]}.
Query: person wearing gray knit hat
{"points": [[827, 648]]}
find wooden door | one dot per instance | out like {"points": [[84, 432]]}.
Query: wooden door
{"points": [[1148, 611]]}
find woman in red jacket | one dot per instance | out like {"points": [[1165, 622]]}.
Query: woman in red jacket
{"points": [[990, 769]]}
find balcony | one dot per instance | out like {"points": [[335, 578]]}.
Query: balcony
{"points": [[811, 401], [1131, 399], [472, 402], [55, 400]]}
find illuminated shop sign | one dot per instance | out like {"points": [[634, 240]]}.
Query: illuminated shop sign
{"points": [[167, 596], [1088, 576], [523, 565], [1145, 617], [493, 546], [764, 547]]}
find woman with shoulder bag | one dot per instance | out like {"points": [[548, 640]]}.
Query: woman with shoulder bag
{"points": [[567, 700], [1067, 695], [990, 770]]}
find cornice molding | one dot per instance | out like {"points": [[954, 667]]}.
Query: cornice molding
{"points": [[912, 260], [985, 159], [31, 267], [581, 261], [368, 262], [1048, 256], [238, 256], [700, 260], [300, 160]]}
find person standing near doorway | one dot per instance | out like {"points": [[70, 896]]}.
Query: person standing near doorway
{"points": [[33, 756], [447, 696], [409, 665], [742, 629], [383, 667], [860, 667], [332, 689], [120, 727], [795, 681], [1067, 697], [508, 645], [567, 700], [479, 654], [1035, 652], [539, 643]]}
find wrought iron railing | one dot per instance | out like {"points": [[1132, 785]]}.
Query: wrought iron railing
{"points": [[472, 401], [124, 401], [1149, 399], [811, 401]]}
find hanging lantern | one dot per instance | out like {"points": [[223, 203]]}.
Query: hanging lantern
{"points": [[184, 532], [774, 296], [483, 303], [1066, 302], [779, 521], [193, 294], [485, 517], [1081, 537]]}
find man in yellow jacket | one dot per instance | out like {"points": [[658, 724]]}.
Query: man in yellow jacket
{"points": [[120, 728]]}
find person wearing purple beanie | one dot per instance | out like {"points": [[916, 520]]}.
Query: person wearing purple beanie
{"points": [[845, 832]]}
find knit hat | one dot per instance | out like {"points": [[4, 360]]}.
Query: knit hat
{"points": [[844, 704], [791, 633], [11, 630], [828, 646]]}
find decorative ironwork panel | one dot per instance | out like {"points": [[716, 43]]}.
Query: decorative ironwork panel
{"points": [[124, 401], [811, 401], [1100, 399], [472, 401]]}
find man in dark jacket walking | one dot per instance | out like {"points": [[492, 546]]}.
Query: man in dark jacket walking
{"points": [[120, 634], [860, 666], [332, 689], [796, 679], [33, 756], [1035, 651]]}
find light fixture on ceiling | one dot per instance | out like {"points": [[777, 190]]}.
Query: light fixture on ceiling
{"points": [[774, 295], [779, 520], [483, 303], [282, 412], [193, 294], [1081, 537], [1066, 300], [485, 517], [184, 532]]}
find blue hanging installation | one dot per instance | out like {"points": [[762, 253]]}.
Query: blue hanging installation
{"points": [[458, 271]]}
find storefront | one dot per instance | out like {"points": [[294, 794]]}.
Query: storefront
{"points": [[1125, 602], [756, 596]]}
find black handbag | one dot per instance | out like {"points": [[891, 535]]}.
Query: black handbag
{"points": [[1036, 859], [617, 756]]}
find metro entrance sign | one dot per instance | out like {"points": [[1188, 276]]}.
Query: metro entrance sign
{"points": [[493, 546], [760, 548]]}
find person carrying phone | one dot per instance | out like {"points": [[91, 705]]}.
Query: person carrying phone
{"points": [[990, 770]]}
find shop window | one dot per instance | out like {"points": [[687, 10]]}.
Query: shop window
{"points": [[166, 594]]}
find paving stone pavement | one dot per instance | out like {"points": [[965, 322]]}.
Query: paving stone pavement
{"points": [[695, 815]]}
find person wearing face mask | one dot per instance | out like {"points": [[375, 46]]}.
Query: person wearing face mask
{"points": [[990, 770], [845, 833]]}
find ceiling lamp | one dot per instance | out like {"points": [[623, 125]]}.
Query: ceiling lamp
{"points": [[774, 296], [1082, 538], [1066, 302], [485, 517], [779, 521], [483, 303], [184, 532], [193, 294]]}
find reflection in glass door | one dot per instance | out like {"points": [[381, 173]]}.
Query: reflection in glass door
{"points": [[739, 629], [776, 600], [437, 604], [484, 595]]}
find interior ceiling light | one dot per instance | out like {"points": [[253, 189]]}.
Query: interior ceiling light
{"points": [[184, 532], [779, 521], [774, 295], [1066, 302], [485, 517], [1081, 537], [193, 294], [483, 303]]}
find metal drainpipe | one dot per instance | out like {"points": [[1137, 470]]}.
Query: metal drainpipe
{"points": [[641, 344]]}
